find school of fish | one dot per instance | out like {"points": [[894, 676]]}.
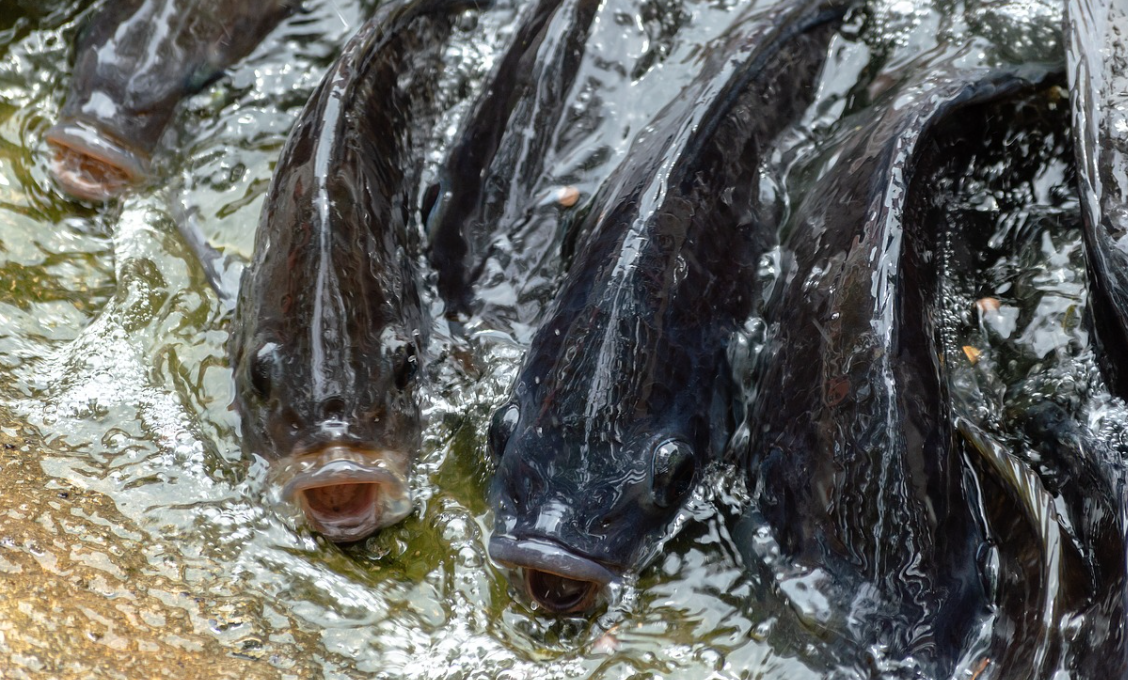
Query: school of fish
{"points": [[875, 477]]}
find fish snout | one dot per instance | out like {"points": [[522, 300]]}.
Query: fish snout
{"points": [[557, 579], [347, 493], [91, 166]]}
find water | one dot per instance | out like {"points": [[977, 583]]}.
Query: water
{"points": [[136, 540]]}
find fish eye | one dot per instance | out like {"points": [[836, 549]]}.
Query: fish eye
{"points": [[407, 365], [502, 425], [263, 365], [672, 473]]}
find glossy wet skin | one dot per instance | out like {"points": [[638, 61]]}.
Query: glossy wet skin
{"points": [[329, 331], [1095, 53], [1086, 478], [488, 178], [135, 61], [623, 398], [867, 486], [1051, 493]]}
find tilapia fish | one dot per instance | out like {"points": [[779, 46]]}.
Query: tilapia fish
{"points": [[329, 330], [1052, 490], [850, 453], [135, 61], [623, 397], [1049, 491], [1092, 493], [1097, 51], [488, 180]]}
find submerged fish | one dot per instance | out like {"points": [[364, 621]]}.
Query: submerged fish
{"points": [[850, 450], [1051, 491], [329, 331], [135, 61], [1096, 53], [1094, 500], [488, 179], [623, 396]]}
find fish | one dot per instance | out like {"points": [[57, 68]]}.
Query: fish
{"points": [[489, 178], [1083, 472], [1051, 490], [622, 400], [1095, 54], [330, 330], [848, 440], [135, 60]]}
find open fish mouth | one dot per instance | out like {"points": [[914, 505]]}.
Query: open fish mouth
{"points": [[91, 166], [346, 493], [556, 578]]}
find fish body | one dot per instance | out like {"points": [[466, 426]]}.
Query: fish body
{"points": [[330, 331], [623, 396], [1096, 502], [1095, 54], [1050, 490], [850, 451], [135, 61], [487, 181]]}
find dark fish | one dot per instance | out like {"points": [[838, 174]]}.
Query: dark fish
{"points": [[329, 330], [489, 176], [1096, 53], [623, 397], [136, 60], [1051, 491], [1058, 571], [1036, 576], [850, 450], [1081, 471]]}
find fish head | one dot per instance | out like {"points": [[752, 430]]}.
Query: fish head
{"points": [[134, 62], [340, 449], [575, 510], [327, 346], [128, 78]]}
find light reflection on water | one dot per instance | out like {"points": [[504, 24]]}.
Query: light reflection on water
{"points": [[136, 541]]}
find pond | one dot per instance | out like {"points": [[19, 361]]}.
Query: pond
{"points": [[137, 539]]}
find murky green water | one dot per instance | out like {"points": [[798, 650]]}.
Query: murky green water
{"points": [[137, 541]]}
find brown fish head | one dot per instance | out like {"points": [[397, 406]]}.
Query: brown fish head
{"points": [[326, 349], [134, 63], [341, 443]]}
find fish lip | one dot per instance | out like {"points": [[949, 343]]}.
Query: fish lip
{"points": [[537, 557], [386, 502], [80, 147], [549, 556]]}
